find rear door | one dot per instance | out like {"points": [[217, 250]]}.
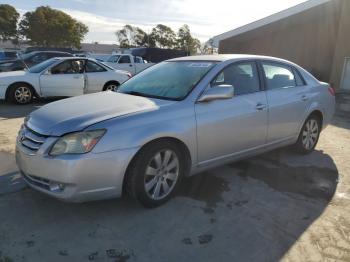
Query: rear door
{"points": [[226, 127], [288, 100], [65, 79]]}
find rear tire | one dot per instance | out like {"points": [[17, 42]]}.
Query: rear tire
{"points": [[155, 173], [21, 94], [309, 135]]}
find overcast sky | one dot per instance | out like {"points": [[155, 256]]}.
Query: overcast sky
{"points": [[205, 18]]}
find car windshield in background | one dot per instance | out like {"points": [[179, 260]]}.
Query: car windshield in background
{"points": [[25, 56], [167, 80], [113, 58], [105, 65], [42, 66]]}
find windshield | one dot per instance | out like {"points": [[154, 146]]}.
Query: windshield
{"points": [[42, 66], [25, 56], [167, 80], [113, 58], [105, 65]]}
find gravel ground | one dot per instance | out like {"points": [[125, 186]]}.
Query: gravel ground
{"points": [[278, 206]]}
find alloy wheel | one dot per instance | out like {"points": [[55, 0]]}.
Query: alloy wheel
{"points": [[161, 174], [310, 134], [112, 87], [23, 95]]}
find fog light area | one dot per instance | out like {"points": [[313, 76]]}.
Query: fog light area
{"points": [[56, 187]]}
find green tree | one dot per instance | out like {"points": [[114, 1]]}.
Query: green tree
{"points": [[131, 36], [162, 36], [185, 41], [8, 22], [50, 27]]}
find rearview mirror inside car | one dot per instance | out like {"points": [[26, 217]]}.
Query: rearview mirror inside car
{"points": [[217, 92]]}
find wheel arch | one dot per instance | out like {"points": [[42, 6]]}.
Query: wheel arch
{"points": [[110, 82], [317, 113], [182, 145], [23, 83]]}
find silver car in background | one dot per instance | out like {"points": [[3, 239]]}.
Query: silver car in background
{"points": [[175, 119]]}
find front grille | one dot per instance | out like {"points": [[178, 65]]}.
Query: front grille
{"points": [[31, 139]]}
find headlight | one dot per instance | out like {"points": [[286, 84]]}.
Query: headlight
{"points": [[77, 143]]}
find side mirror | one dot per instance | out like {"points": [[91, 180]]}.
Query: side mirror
{"points": [[217, 92], [48, 72]]}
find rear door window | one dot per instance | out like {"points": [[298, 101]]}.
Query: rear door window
{"points": [[278, 76]]}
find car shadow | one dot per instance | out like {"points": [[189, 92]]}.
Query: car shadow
{"points": [[250, 210]]}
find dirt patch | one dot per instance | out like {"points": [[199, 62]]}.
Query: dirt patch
{"points": [[204, 187]]}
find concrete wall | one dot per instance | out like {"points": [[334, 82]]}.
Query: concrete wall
{"points": [[317, 39]]}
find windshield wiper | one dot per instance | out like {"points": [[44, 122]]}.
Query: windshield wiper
{"points": [[136, 93]]}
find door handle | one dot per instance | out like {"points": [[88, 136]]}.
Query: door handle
{"points": [[130, 65], [260, 106], [77, 77], [304, 98]]}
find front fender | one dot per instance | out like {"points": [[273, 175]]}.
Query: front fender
{"points": [[138, 132]]}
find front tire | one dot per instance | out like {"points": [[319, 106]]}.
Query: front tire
{"points": [[112, 86], [309, 135], [21, 94], [155, 173]]}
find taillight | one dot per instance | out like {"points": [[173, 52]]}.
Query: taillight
{"points": [[331, 91]]}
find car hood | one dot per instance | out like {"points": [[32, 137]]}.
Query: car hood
{"points": [[77, 113]]}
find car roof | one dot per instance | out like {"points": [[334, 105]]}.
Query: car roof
{"points": [[74, 57], [57, 52], [227, 57]]}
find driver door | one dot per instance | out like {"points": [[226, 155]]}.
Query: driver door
{"points": [[231, 126], [65, 79]]}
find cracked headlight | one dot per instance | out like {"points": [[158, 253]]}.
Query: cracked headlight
{"points": [[77, 143]]}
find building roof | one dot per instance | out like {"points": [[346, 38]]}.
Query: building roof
{"points": [[268, 20]]}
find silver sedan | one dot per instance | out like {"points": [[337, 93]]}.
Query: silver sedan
{"points": [[175, 119]]}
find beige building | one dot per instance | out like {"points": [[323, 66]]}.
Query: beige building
{"points": [[314, 34]]}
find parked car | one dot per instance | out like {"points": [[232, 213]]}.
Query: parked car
{"points": [[28, 60], [8, 55], [175, 119], [60, 77], [127, 62], [100, 57]]}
